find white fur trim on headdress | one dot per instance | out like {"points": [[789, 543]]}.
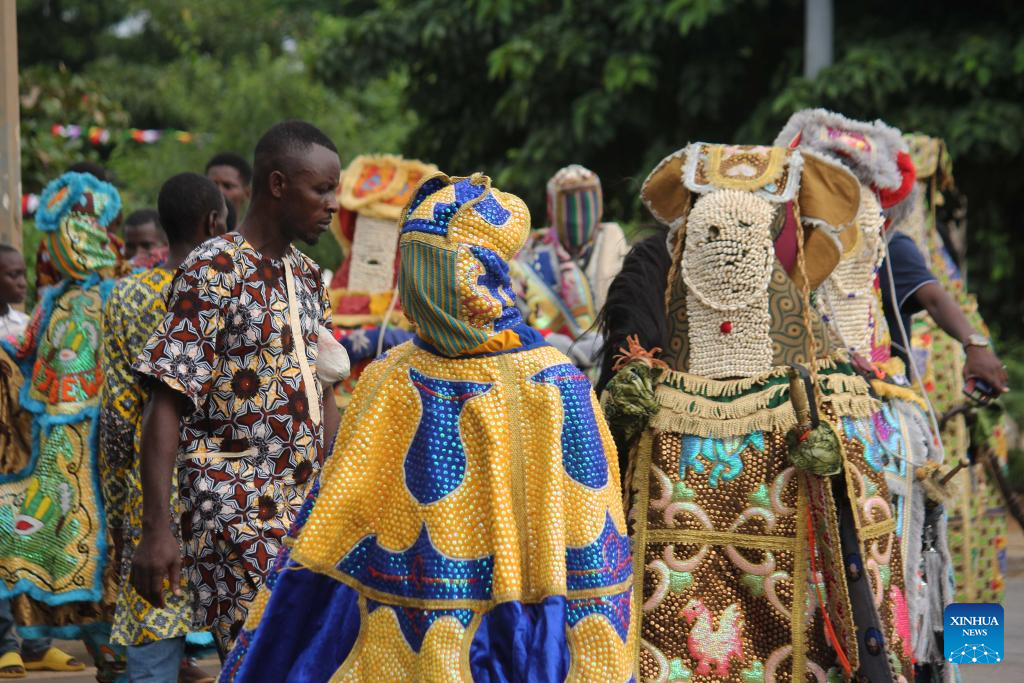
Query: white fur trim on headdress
{"points": [[875, 166]]}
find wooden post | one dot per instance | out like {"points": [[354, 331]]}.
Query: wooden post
{"points": [[10, 128]]}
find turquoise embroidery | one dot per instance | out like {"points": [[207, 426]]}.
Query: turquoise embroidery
{"points": [[722, 455]]}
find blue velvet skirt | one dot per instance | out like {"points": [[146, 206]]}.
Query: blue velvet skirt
{"points": [[312, 625]]}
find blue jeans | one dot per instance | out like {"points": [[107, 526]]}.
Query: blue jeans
{"points": [[33, 648], [156, 662]]}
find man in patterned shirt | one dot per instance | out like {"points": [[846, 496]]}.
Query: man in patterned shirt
{"points": [[192, 210], [236, 402]]}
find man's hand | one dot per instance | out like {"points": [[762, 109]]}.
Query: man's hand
{"points": [[156, 558], [983, 364]]}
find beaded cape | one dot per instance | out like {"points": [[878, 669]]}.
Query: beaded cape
{"points": [[472, 497], [743, 556]]}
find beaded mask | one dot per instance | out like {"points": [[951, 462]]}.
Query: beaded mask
{"points": [[847, 299], [75, 210], [574, 206], [724, 244], [876, 153], [456, 239]]}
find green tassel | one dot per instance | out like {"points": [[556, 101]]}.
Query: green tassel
{"points": [[818, 453], [630, 402]]}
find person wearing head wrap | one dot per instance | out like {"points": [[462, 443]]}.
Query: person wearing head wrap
{"points": [[563, 272], [764, 531], [469, 524], [54, 548]]}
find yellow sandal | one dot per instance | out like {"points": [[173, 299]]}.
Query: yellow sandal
{"points": [[55, 659], [12, 660]]}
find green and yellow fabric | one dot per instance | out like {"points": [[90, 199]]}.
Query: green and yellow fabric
{"points": [[977, 515]]}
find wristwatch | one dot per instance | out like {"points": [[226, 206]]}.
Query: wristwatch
{"points": [[977, 340]]}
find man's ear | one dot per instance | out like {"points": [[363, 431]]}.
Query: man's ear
{"points": [[210, 225], [277, 182]]}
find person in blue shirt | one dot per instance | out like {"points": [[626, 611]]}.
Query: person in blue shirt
{"points": [[912, 288]]}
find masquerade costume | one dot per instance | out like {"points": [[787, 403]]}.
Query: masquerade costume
{"points": [[363, 292], [240, 341], [563, 272], [850, 302], [977, 511], [469, 525], [743, 536], [54, 546]]}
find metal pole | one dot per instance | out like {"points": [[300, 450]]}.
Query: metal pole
{"points": [[10, 128], [818, 26]]}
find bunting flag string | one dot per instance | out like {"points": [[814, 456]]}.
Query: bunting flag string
{"points": [[96, 135], [29, 204]]}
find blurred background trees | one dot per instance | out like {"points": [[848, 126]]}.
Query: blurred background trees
{"points": [[519, 88]]}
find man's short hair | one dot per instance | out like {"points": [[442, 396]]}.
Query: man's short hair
{"points": [[184, 201], [281, 143], [92, 168], [235, 161], [141, 217]]}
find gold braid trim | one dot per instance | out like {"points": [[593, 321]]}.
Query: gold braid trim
{"points": [[778, 419], [692, 414]]}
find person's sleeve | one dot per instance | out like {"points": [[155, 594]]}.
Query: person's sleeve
{"points": [[910, 272], [120, 411], [326, 314], [182, 352]]}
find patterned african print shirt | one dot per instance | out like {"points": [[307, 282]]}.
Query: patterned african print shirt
{"points": [[251, 445], [135, 308]]}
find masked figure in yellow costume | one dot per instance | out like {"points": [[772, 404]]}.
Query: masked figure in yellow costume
{"points": [[469, 526]]}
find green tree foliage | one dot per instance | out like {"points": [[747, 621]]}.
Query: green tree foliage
{"points": [[226, 71], [520, 88], [50, 96]]}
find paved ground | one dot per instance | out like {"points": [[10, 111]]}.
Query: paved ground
{"points": [[1011, 670]]}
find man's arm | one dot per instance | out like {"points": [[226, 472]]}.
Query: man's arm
{"points": [[982, 363], [158, 555]]}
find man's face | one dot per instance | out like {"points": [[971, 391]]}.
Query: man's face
{"points": [[229, 180], [142, 239], [13, 283], [309, 196]]}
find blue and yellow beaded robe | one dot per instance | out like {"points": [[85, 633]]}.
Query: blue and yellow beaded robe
{"points": [[469, 525]]}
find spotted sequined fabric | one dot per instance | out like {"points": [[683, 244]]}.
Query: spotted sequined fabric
{"points": [[533, 512]]}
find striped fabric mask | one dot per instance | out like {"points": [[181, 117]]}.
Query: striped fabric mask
{"points": [[575, 206]]}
